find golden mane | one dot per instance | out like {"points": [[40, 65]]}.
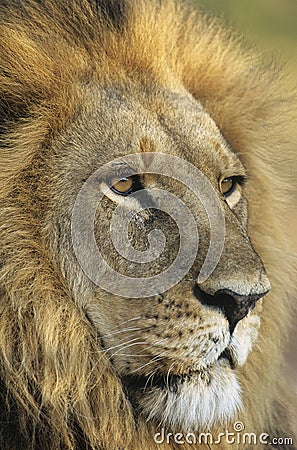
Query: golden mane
{"points": [[57, 389]]}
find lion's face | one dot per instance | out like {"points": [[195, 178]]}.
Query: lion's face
{"points": [[176, 350]]}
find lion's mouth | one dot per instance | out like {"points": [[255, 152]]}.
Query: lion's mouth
{"points": [[171, 382]]}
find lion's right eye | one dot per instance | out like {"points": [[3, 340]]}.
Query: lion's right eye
{"points": [[124, 186], [231, 188]]}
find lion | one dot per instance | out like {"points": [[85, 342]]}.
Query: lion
{"points": [[103, 103]]}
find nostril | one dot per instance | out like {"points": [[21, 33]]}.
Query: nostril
{"points": [[221, 300], [234, 306], [204, 297]]}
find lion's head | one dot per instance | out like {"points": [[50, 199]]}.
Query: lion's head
{"points": [[129, 118]]}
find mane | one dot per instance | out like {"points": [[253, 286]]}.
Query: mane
{"points": [[57, 387]]}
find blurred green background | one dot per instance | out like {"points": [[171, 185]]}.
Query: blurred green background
{"points": [[269, 24]]}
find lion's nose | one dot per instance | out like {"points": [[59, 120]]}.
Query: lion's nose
{"points": [[234, 306]]}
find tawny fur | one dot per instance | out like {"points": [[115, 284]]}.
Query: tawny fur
{"points": [[57, 389]]}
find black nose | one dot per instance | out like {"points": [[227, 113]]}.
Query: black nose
{"points": [[234, 306]]}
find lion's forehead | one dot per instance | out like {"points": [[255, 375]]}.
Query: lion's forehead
{"points": [[125, 119]]}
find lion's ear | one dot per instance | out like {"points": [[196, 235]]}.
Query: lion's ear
{"points": [[37, 66], [224, 76], [36, 77], [26, 73], [114, 12]]}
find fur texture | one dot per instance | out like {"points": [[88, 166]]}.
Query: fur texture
{"points": [[58, 390]]}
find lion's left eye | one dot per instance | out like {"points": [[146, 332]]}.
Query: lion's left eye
{"points": [[231, 188], [227, 185]]}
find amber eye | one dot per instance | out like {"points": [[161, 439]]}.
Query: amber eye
{"points": [[123, 186], [227, 185]]}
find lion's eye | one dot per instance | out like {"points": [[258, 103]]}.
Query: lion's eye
{"points": [[231, 188], [124, 186], [227, 185]]}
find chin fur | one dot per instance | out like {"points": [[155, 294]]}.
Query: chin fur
{"points": [[194, 403]]}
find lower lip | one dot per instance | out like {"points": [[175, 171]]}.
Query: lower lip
{"points": [[171, 382]]}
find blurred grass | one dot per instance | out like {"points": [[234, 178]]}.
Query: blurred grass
{"points": [[270, 24]]}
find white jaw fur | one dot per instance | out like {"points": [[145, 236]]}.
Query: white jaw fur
{"points": [[205, 398]]}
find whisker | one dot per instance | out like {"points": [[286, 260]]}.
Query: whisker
{"points": [[169, 370], [158, 357], [127, 346], [121, 323], [119, 332], [125, 330], [150, 378], [119, 345]]}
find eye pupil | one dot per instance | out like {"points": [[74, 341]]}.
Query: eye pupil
{"points": [[123, 186]]}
